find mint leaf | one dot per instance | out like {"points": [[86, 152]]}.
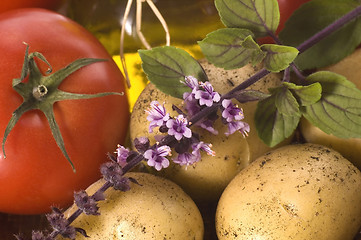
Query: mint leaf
{"points": [[167, 66], [306, 95], [285, 102], [338, 112], [277, 116], [257, 53], [278, 57], [226, 48], [312, 17], [259, 16]]}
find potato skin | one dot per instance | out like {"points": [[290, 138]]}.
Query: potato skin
{"points": [[303, 191], [206, 180], [350, 148], [156, 209]]}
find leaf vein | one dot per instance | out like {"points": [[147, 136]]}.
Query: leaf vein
{"points": [[242, 18]]}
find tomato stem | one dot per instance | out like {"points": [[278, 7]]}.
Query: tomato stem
{"points": [[46, 93], [40, 91]]}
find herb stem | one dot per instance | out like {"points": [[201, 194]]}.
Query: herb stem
{"points": [[298, 72], [74, 215], [203, 113], [132, 163], [275, 38], [78, 212], [329, 29], [301, 48], [286, 75], [253, 79], [206, 111]]}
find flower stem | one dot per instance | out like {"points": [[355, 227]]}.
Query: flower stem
{"points": [[298, 73], [132, 163], [260, 74], [203, 113], [352, 15]]}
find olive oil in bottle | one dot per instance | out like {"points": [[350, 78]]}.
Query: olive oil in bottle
{"points": [[188, 21]]}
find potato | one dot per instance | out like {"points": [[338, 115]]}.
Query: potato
{"points": [[349, 148], [303, 191], [156, 209], [206, 180]]}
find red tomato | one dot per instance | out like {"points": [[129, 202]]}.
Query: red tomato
{"points": [[286, 7], [35, 174], [7, 5]]}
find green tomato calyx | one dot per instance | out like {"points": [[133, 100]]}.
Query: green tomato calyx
{"points": [[41, 92]]}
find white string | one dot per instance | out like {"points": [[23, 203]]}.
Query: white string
{"points": [[139, 31], [122, 58]]}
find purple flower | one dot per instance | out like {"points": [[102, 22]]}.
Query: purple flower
{"points": [[122, 155], [206, 96], [141, 144], [204, 147], [186, 159], [191, 104], [59, 223], [231, 112], [157, 115], [37, 235], [191, 82], [123, 184], [86, 203], [208, 125], [178, 127], [157, 157], [233, 116], [113, 173], [237, 126], [202, 94]]}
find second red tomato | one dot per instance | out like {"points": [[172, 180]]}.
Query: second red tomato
{"points": [[7, 5]]}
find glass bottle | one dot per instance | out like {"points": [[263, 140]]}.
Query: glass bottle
{"points": [[188, 22]]}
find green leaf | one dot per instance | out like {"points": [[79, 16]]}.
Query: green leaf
{"points": [[278, 57], [166, 67], [338, 112], [285, 102], [231, 48], [306, 95], [259, 16], [312, 17], [257, 53], [277, 117]]}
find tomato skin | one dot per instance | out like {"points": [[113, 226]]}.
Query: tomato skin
{"points": [[35, 175], [7, 5], [286, 8]]}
